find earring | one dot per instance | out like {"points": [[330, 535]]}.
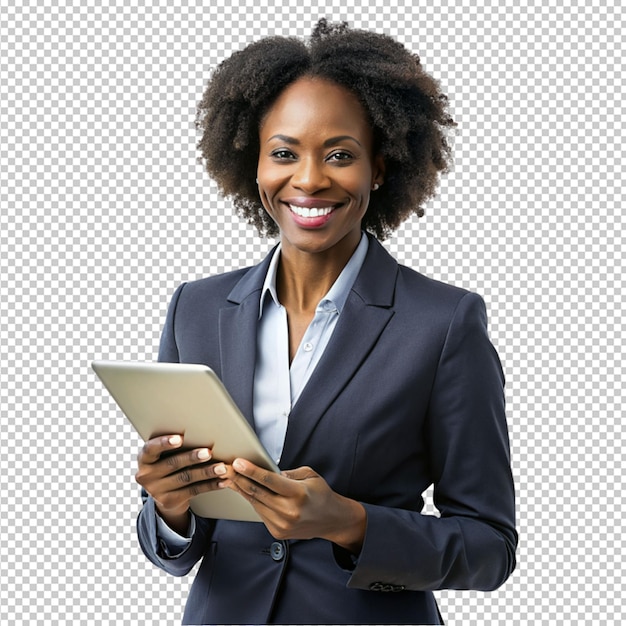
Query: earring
{"points": [[257, 181], [375, 187]]}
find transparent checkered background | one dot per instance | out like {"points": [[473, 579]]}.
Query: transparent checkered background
{"points": [[105, 210]]}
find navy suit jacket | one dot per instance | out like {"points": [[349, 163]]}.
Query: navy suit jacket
{"points": [[408, 393]]}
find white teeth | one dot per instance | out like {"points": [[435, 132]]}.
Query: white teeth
{"points": [[306, 212]]}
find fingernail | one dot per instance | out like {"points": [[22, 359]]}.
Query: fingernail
{"points": [[238, 465], [204, 454], [220, 470], [175, 440]]}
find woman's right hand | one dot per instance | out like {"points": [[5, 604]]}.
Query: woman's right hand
{"points": [[172, 480]]}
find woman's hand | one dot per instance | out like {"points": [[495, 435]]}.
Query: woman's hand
{"points": [[298, 504], [172, 480]]}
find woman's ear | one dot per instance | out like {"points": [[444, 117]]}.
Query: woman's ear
{"points": [[378, 171]]}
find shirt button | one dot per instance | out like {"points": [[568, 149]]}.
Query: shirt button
{"points": [[277, 551], [308, 346]]}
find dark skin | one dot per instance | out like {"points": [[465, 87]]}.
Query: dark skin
{"points": [[173, 480], [316, 171]]}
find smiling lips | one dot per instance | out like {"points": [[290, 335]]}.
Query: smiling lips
{"points": [[311, 213], [311, 207], [302, 211]]}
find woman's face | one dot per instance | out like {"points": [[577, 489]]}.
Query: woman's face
{"points": [[316, 166]]}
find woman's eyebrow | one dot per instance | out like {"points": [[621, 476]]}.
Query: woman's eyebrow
{"points": [[340, 138], [292, 141]]}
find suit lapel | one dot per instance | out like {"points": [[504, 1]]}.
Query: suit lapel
{"points": [[363, 318], [237, 337]]}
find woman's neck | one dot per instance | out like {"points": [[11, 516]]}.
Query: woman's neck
{"points": [[304, 278]]}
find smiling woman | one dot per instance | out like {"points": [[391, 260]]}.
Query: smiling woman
{"points": [[366, 381], [315, 179]]}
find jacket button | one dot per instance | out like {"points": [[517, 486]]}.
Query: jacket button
{"points": [[386, 587], [277, 551]]}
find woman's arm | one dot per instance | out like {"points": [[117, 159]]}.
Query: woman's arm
{"points": [[472, 545]]}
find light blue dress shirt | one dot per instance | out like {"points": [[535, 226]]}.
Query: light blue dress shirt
{"points": [[277, 386]]}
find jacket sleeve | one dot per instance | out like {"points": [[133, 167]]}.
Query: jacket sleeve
{"points": [[154, 548], [472, 544], [151, 544]]}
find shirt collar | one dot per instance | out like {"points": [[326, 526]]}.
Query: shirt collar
{"points": [[337, 294], [269, 285]]}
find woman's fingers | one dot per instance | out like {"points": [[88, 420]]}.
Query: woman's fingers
{"points": [[154, 448], [172, 476], [296, 504], [159, 456], [281, 484], [188, 477], [177, 489], [284, 494], [173, 463]]}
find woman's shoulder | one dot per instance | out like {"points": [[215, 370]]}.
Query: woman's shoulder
{"points": [[233, 286], [218, 282], [384, 279], [210, 291], [420, 284], [417, 291]]}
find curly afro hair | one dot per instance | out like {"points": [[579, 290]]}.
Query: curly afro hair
{"points": [[408, 113]]}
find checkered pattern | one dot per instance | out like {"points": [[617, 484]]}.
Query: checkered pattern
{"points": [[104, 210]]}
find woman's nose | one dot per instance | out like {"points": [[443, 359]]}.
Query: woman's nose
{"points": [[310, 176]]}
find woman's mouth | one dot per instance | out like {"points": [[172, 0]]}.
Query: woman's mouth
{"points": [[302, 211], [311, 213]]}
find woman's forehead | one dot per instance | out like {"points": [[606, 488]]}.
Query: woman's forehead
{"points": [[314, 103]]}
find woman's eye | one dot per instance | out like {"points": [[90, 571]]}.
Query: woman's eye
{"points": [[340, 156], [283, 154]]}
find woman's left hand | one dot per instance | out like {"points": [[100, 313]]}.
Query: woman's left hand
{"points": [[299, 504]]}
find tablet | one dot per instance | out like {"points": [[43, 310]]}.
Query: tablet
{"points": [[179, 398]]}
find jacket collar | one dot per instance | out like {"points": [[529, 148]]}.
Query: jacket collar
{"points": [[375, 283]]}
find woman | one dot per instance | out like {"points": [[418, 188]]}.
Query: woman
{"points": [[367, 381]]}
